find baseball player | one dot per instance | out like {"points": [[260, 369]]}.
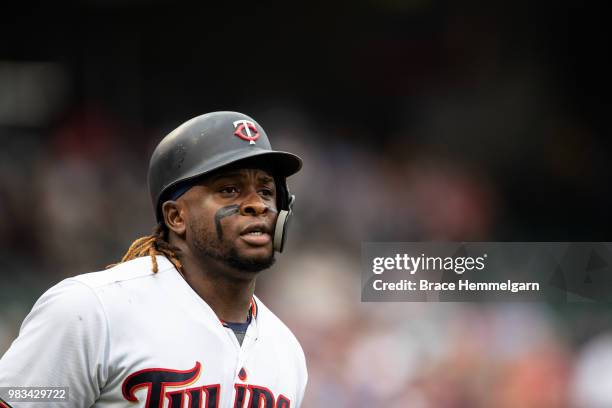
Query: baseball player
{"points": [[176, 322]]}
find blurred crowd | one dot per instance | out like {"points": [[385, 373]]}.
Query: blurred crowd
{"points": [[73, 203], [433, 354]]}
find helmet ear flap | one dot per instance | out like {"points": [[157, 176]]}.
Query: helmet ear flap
{"points": [[285, 209], [282, 193], [282, 223]]}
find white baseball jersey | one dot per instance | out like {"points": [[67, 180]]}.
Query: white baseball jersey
{"points": [[128, 337]]}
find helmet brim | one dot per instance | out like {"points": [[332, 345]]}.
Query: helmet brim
{"points": [[279, 163]]}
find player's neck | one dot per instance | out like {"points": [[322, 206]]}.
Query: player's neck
{"points": [[229, 298]]}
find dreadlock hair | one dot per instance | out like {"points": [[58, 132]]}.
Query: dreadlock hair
{"points": [[153, 245]]}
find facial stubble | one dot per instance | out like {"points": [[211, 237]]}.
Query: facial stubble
{"points": [[209, 244]]}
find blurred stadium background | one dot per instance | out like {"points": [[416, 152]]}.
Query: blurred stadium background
{"points": [[416, 120]]}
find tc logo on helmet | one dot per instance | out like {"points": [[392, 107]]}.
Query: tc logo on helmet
{"points": [[246, 126]]}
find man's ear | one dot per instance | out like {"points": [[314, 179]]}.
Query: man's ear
{"points": [[173, 212]]}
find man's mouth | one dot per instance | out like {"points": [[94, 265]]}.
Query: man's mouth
{"points": [[256, 234]]}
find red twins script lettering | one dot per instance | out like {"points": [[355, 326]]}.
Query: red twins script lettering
{"points": [[157, 380]]}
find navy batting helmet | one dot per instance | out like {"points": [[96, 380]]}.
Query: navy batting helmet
{"points": [[212, 141]]}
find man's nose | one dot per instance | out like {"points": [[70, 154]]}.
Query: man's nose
{"points": [[253, 204]]}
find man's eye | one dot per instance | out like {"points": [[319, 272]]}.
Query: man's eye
{"points": [[228, 190], [266, 192]]}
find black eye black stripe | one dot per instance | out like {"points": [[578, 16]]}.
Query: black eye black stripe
{"points": [[222, 213]]}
